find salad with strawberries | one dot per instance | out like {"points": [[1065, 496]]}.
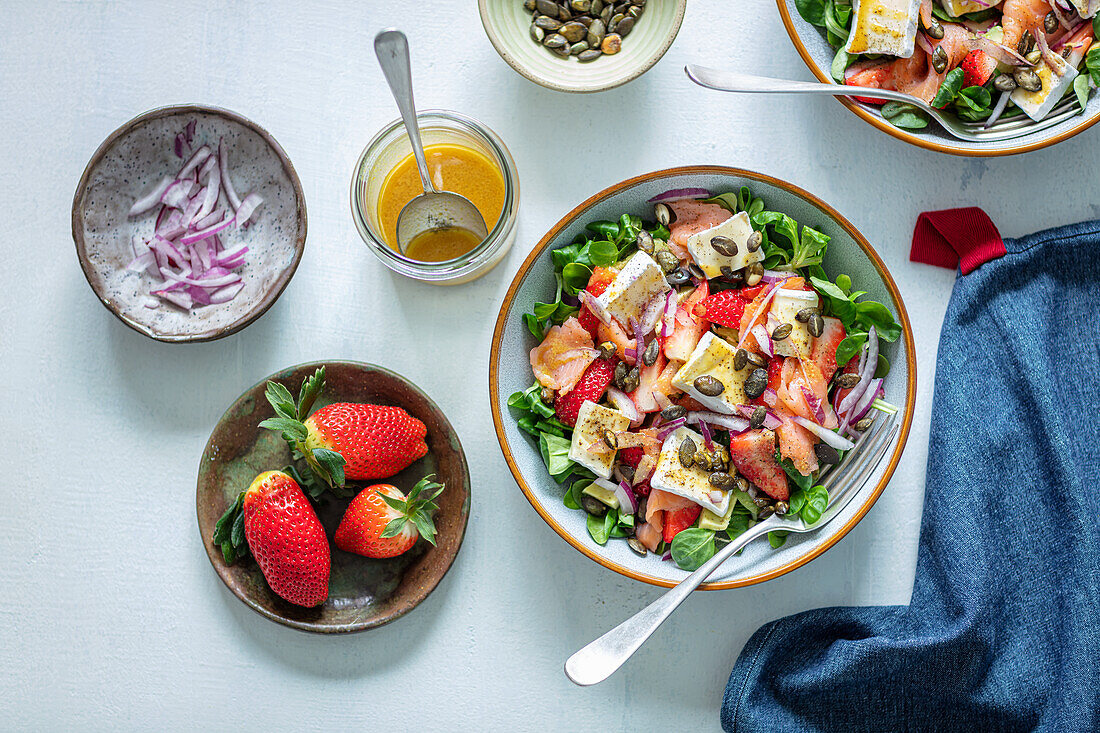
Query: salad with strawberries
{"points": [[696, 373], [982, 60], [274, 520]]}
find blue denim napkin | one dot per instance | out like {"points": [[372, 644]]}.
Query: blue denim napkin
{"points": [[1003, 630]]}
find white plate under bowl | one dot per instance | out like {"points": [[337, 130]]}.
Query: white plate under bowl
{"points": [[510, 369]]}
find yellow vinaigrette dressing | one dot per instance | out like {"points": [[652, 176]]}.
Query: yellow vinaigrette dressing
{"points": [[454, 168]]}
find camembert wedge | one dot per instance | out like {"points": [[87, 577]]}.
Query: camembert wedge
{"points": [[884, 27]]}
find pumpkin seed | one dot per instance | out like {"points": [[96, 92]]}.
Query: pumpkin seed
{"points": [[1028, 80], [762, 501], [804, 315], [935, 30], [593, 506], [709, 386], [590, 55], [574, 32], [529, 5], [632, 378], [610, 439], [758, 416], [547, 7], [554, 41], [612, 43], [546, 395], [581, 6], [816, 325], [782, 331], [756, 383], [765, 512], [1033, 57], [606, 14], [687, 453], [697, 271], [740, 359], [597, 7], [725, 332], [617, 18], [596, 31], [847, 381], [939, 59], [625, 26], [742, 484], [727, 272], [649, 356], [721, 480], [547, 23], [537, 34], [620, 374], [627, 472], [754, 273], [1050, 22], [757, 360], [644, 242], [667, 261], [636, 546], [781, 508], [606, 350], [562, 51], [663, 214], [678, 277], [724, 246], [674, 412], [826, 454], [754, 241], [863, 424], [578, 48], [1027, 42]]}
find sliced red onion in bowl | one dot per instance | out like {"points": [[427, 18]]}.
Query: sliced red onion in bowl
{"points": [[247, 208], [680, 194], [227, 183], [151, 199], [197, 158], [226, 294], [836, 440], [209, 231], [868, 364]]}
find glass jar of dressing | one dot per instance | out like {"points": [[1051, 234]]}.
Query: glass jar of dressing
{"points": [[463, 156]]}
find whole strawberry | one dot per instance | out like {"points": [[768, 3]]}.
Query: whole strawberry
{"points": [[376, 441], [381, 522], [344, 440], [283, 534]]}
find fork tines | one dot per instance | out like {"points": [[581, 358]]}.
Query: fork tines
{"points": [[861, 461]]}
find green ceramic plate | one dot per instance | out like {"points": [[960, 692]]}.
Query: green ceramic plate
{"points": [[363, 592]]}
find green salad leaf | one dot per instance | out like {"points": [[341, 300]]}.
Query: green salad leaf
{"points": [[600, 528], [949, 88], [1081, 89], [692, 547], [905, 116], [856, 315], [808, 503]]}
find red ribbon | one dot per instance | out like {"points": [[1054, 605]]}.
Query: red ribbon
{"points": [[964, 238]]}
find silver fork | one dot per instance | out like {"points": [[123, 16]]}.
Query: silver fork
{"points": [[1003, 129], [597, 661]]}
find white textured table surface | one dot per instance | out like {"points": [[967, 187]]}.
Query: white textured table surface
{"points": [[111, 617]]}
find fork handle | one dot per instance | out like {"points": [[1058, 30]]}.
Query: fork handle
{"points": [[731, 81], [597, 661]]}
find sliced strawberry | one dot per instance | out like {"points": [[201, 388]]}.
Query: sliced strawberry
{"points": [[601, 278], [589, 322], [631, 456], [749, 294], [591, 386], [724, 308], [861, 75], [823, 351], [677, 520], [977, 67], [753, 452]]}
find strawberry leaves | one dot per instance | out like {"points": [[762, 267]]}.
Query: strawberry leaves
{"points": [[418, 507], [326, 466], [229, 532]]}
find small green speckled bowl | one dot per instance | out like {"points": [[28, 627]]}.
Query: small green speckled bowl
{"points": [[508, 26], [363, 592]]}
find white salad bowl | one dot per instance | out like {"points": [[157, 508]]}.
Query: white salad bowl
{"points": [[818, 55], [510, 369]]}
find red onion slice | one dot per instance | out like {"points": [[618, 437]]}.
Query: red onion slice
{"points": [[868, 365], [1003, 54], [213, 188], [227, 182], [1056, 63], [247, 208], [624, 404], [763, 339], [226, 294], [197, 158], [814, 404], [668, 323], [151, 199], [680, 194], [207, 232], [653, 313], [177, 194], [770, 397], [771, 420], [670, 427], [726, 422], [594, 305], [836, 440]]}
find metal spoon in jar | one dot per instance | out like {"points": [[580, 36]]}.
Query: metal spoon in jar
{"points": [[433, 209]]}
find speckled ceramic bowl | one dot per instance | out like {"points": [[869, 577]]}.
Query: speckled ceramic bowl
{"points": [[130, 162], [508, 26], [510, 369], [818, 55], [363, 592]]}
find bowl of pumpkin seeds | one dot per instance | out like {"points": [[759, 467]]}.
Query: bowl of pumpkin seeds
{"points": [[581, 45]]}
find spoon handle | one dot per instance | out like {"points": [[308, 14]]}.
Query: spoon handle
{"points": [[731, 81], [392, 49]]}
